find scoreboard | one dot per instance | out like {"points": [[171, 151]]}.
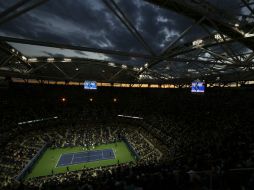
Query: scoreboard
{"points": [[90, 85], [197, 87]]}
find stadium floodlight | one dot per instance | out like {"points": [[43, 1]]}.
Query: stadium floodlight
{"points": [[198, 42], [23, 57], [135, 69], [111, 64], [146, 65], [218, 37], [124, 66], [248, 35], [66, 60], [50, 59], [236, 25], [32, 60], [77, 69], [141, 68]]}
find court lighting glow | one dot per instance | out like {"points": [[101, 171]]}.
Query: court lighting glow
{"points": [[236, 25], [146, 65], [77, 69]]}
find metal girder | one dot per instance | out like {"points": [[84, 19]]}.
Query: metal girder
{"points": [[224, 46], [18, 9], [8, 51], [248, 6], [155, 61], [197, 9], [217, 55], [37, 68], [7, 60], [115, 75], [13, 8], [123, 18], [72, 47], [167, 50], [61, 71]]}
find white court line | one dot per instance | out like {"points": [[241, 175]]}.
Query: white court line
{"points": [[114, 152], [58, 160], [72, 158]]}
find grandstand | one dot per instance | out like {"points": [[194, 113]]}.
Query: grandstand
{"points": [[127, 94]]}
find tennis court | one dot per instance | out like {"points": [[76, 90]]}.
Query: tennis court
{"points": [[85, 156]]}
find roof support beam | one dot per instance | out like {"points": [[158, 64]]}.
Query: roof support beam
{"points": [[13, 8], [13, 12], [248, 6], [71, 47]]}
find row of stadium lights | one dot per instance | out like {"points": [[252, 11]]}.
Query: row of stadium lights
{"points": [[218, 37], [111, 64], [51, 59], [137, 69]]}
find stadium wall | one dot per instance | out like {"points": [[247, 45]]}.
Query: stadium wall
{"points": [[30, 164], [133, 152]]}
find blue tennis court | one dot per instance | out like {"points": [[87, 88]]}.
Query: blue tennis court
{"points": [[86, 156]]}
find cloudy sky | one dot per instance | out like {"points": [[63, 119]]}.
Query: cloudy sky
{"points": [[90, 23]]}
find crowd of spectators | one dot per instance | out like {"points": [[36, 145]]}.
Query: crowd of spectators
{"points": [[184, 141]]}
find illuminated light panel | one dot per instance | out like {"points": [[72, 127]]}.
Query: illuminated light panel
{"points": [[23, 57], [124, 66], [32, 60], [37, 120], [66, 60], [248, 35], [197, 42], [131, 117], [111, 64], [50, 59]]}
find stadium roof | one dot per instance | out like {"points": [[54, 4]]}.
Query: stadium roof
{"points": [[133, 41]]}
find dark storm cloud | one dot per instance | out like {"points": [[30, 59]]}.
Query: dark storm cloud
{"points": [[92, 24], [74, 23]]}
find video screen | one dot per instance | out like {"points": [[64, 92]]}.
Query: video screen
{"points": [[90, 85], [198, 87]]}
